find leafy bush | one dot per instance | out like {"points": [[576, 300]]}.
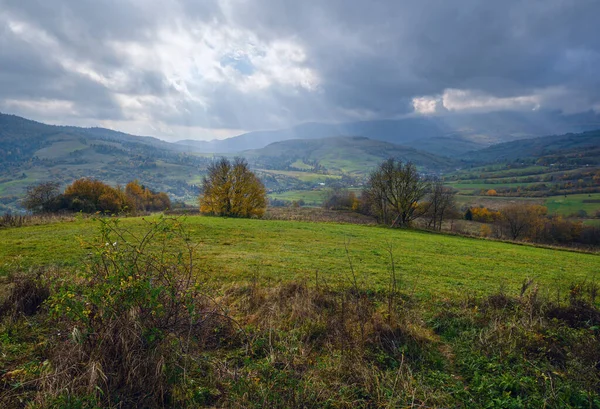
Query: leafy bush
{"points": [[132, 316]]}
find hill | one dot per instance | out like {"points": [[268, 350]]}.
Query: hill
{"points": [[584, 145], [353, 154], [286, 250], [447, 134], [31, 152]]}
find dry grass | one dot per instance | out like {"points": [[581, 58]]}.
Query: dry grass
{"points": [[11, 220], [317, 215]]}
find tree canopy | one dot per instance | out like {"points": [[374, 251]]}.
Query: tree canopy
{"points": [[230, 188], [394, 190]]}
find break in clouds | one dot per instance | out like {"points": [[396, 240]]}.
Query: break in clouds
{"points": [[210, 69]]}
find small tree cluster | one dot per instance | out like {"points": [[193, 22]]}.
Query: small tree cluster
{"points": [[341, 199], [232, 189], [441, 205], [43, 197], [145, 199], [521, 220], [482, 214], [91, 196]]}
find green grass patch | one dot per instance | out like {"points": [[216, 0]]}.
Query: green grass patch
{"points": [[571, 204], [235, 250]]}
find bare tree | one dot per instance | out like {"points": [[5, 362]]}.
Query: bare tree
{"points": [[41, 198], [441, 203], [518, 219], [395, 188]]}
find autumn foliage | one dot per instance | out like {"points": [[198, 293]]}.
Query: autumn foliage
{"points": [[232, 189], [145, 199], [482, 215], [91, 195]]}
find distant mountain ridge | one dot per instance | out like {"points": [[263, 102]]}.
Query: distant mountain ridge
{"points": [[450, 135], [588, 143], [350, 154]]}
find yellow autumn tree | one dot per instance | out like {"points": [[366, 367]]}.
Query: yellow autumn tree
{"points": [[146, 199], [91, 195], [230, 188]]}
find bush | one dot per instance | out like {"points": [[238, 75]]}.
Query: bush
{"points": [[91, 195], [26, 296], [132, 319], [145, 200]]}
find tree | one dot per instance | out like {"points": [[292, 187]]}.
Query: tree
{"points": [[441, 203], [520, 219], [145, 199], [394, 189], [42, 198], [91, 195], [230, 188], [338, 198]]}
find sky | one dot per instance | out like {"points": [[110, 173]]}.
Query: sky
{"points": [[184, 69]]}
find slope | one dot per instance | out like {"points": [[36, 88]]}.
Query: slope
{"points": [[449, 134], [585, 144], [349, 154], [31, 152]]}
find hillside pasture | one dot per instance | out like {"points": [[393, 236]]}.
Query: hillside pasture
{"points": [[567, 205], [235, 250]]}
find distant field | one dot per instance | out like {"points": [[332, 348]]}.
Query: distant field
{"points": [[303, 176], [493, 202], [571, 204], [299, 164], [235, 250], [60, 149], [310, 197], [466, 186]]}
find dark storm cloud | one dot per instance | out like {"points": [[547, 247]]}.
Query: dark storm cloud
{"points": [[252, 64]]}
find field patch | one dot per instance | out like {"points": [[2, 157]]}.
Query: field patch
{"points": [[573, 204], [236, 250]]}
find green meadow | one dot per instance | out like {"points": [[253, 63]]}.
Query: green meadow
{"points": [[239, 250], [571, 204]]}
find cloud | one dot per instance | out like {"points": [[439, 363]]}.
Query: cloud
{"points": [[200, 69]]}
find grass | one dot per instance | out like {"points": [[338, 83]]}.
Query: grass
{"points": [[236, 250], [310, 197], [303, 176], [299, 164], [277, 320], [60, 149], [493, 202], [571, 204]]}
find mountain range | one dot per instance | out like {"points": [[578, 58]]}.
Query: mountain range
{"points": [[295, 158], [446, 135]]}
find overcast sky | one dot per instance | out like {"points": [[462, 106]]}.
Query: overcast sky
{"points": [[181, 69]]}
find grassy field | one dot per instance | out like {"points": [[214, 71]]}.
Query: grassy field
{"points": [[493, 202], [235, 250], [303, 176], [460, 329], [310, 197], [571, 204]]}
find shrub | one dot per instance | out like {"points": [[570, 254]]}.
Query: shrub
{"points": [[146, 200], [132, 317], [91, 195], [27, 294]]}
